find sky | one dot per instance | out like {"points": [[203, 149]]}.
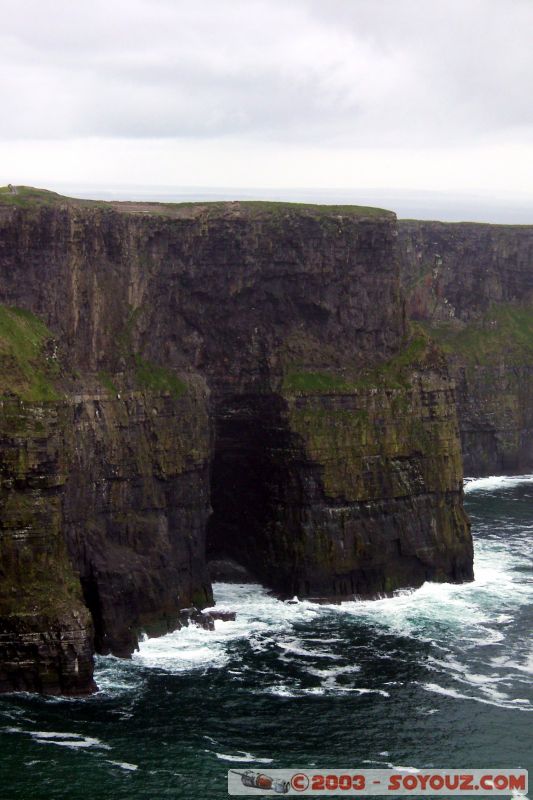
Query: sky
{"points": [[424, 103]]}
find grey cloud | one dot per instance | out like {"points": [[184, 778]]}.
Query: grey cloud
{"points": [[351, 72]]}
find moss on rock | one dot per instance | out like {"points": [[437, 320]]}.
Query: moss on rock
{"points": [[28, 358]]}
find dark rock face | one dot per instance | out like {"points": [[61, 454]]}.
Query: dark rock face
{"points": [[460, 270], [228, 571], [471, 286], [350, 491], [46, 635], [252, 358], [136, 508], [171, 282], [193, 616]]}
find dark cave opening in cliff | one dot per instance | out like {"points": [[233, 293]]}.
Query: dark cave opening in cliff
{"points": [[249, 483], [91, 596]]}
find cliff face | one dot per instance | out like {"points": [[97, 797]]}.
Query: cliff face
{"points": [[253, 358], [352, 480], [45, 628], [136, 506], [471, 286]]}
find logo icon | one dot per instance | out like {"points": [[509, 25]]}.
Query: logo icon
{"points": [[258, 780]]}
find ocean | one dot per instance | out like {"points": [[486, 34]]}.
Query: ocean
{"points": [[436, 677]]}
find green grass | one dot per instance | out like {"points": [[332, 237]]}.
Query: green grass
{"points": [[125, 338], [150, 376], [30, 196], [272, 209], [25, 369], [314, 382], [465, 223], [106, 381], [505, 331], [393, 374], [27, 195], [280, 207]]}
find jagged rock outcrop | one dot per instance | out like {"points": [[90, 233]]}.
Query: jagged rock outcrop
{"points": [[255, 357], [471, 287]]}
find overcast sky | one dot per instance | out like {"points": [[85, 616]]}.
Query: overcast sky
{"points": [[403, 95]]}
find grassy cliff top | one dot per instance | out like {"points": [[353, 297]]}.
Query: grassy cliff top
{"points": [[407, 222], [28, 196]]}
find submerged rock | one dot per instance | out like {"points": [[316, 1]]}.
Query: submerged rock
{"points": [[194, 616], [223, 615]]}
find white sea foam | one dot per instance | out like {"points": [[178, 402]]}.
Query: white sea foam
{"points": [[283, 690], [521, 704], [412, 770], [334, 673], [485, 682], [434, 613], [471, 620], [495, 482], [390, 765], [116, 676], [294, 648], [474, 613], [259, 617], [74, 741], [507, 663], [124, 765], [242, 756]]}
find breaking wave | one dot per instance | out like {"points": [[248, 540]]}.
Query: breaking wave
{"points": [[494, 483], [433, 676], [476, 653]]}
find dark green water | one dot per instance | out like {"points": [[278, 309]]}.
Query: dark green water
{"points": [[439, 677]]}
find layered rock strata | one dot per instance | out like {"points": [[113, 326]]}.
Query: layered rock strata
{"points": [[471, 287], [45, 628], [250, 358]]}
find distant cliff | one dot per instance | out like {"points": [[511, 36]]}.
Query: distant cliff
{"points": [[231, 378], [471, 286]]}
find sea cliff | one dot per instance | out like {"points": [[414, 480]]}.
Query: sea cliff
{"points": [[208, 380], [471, 287]]}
